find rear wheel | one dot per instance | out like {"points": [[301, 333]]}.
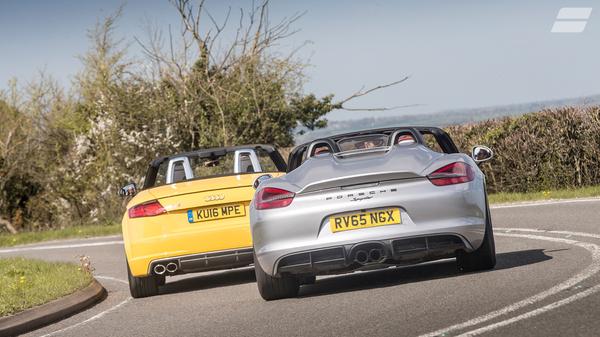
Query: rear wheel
{"points": [[484, 257], [274, 288], [142, 286]]}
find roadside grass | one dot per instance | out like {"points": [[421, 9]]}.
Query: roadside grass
{"points": [[499, 198], [26, 283], [7, 239]]}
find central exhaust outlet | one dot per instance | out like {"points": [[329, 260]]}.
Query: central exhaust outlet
{"points": [[361, 257], [369, 253], [159, 269], [376, 255], [172, 267]]}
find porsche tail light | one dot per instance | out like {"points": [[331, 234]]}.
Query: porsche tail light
{"points": [[270, 197], [151, 208], [455, 173]]}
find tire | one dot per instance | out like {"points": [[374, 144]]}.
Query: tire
{"points": [[484, 257], [274, 288], [142, 286]]}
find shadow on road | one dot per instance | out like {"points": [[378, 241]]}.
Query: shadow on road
{"points": [[357, 281], [402, 275], [522, 258], [208, 281]]}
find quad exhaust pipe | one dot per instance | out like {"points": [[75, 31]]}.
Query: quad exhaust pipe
{"points": [[160, 269], [375, 255], [361, 257]]}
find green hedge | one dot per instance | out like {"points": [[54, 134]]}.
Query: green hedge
{"points": [[551, 149]]}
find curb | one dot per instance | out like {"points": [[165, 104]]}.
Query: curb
{"points": [[53, 311]]}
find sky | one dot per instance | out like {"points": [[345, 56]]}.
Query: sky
{"points": [[458, 54]]}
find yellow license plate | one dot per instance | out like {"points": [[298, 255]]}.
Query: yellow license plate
{"points": [[381, 217], [216, 212]]}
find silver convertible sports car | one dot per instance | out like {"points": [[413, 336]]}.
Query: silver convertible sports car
{"points": [[369, 200]]}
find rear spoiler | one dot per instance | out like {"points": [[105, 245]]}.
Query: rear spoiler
{"points": [[362, 179]]}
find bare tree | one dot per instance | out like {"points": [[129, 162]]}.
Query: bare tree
{"points": [[202, 61]]}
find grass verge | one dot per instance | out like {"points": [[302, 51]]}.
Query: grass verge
{"points": [[499, 198], [7, 239], [26, 283]]}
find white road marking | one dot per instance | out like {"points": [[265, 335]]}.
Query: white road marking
{"points": [[543, 203], [97, 316], [100, 315], [111, 279], [592, 269], [582, 234], [533, 313], [76, 245]]}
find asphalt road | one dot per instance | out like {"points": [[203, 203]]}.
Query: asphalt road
{"points": [[546, 283]]}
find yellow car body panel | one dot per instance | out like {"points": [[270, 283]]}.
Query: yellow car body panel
{"points": [[170, 234]]}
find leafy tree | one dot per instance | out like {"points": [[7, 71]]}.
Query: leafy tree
{"points": [[63, 155]]}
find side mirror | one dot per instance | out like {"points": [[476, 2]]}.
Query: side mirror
{"points": [[128, 190], [260, 179], [481, 153]]}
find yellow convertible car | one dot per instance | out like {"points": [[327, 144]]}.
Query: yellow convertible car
{"points": [[192, 213]]}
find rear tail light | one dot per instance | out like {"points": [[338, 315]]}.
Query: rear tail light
{"points": [[151, 208], [270, 197], [455, 173]]}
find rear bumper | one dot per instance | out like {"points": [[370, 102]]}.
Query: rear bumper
{"points": [[187, 248], [193, 263], [343, 258]]}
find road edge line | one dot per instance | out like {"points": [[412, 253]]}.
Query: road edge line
{"points": [[586, 273], [542, 202]]}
